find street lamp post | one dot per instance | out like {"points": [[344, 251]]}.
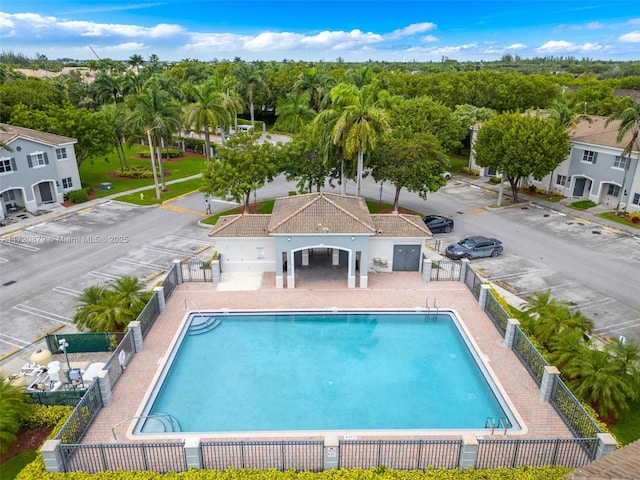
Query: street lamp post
{"points": [[153, 163]]}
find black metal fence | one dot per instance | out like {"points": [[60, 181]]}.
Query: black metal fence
{"points": [[196, 270], [446, 270], [512, 453], [157, 457], [60, 397], [280, 455], [149, 314], [473, 281], [120, 358], [170, 282], [497, 314], [400, 454], [572, 412], [81, 417], [85, 342], [529, 355]]}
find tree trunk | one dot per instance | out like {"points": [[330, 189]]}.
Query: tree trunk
{"points": [[359, 173], [253, 122], [161, 168], [396, 200], [207, 142]]}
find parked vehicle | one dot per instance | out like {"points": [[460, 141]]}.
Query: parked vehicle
{"points": [[474, 247], [438, 224], [447, 175]]}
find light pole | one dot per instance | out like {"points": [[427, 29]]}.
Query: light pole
{"points": [[63, 344], [153, 162]]}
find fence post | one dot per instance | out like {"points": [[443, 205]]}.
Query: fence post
{"points": [[549, 378], [161, 300], [468, 452], [136, 332], [426, 269], [464, 265], [104, 386], [178, 264], [510, 333], [192, 452], [52, 456], [331, 452], [482, 298], [606, 445]]}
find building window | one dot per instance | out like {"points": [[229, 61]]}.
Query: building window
{"points": [[61, 153], [589, 157], [67, 183], [38, 159], [620, 162], [7, 165], [636, 199], [9, 195], [561, 180], [614, 190]]}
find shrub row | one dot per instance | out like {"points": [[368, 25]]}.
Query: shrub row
{"points": [[136, 171]]}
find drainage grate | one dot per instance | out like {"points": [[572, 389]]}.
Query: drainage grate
{"points": [[8, 283]]}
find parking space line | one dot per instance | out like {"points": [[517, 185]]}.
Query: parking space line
{"points": [[140, 264], [515, 275], [3, 260], [595, 303], [41, 313], [106, 276], [77, 227], [22, 343], [183, 210], [629, 323], [506, 286], [67, 291], [164, 250], [193, 240], [11, 234], [22, 246], [553, 288]]}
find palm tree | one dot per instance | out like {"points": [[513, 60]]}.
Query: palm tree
{"points": [[294, 113], [106, 87], [11, 413], [356, 121], [87, 306], [132, 293], [115, 115], [317, 85], [211, 108], [154, 111], [250, 82], [629, 123], [136, 61]]}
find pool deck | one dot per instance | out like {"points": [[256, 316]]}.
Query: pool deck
{"points": [[325, 290]]}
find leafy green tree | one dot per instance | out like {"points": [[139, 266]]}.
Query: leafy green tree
{"points": [[12, 409], [250, 82], [33, 93], [355, 121], [317, 85], [243, 165], [136, 61], [115, 116], [106, 88], [520, 146], [412, 161], [294, 113], [300, 160]]}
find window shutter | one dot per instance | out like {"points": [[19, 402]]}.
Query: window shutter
{"points": [[595, 157], [46, 158], [13, 164], [29, 160]]}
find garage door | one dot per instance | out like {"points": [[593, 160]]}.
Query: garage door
{"points": [[406, 258]]}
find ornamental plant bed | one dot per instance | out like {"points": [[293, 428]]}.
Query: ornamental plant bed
{"points": [[27, 439]]}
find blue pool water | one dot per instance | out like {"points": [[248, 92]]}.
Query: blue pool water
{"points": [[324, 371]]}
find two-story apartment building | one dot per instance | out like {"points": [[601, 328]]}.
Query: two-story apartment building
{"points": [[36, 169], [594, 169]]}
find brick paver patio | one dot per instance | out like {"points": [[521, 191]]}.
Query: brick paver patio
{"points": [[320, 290]]}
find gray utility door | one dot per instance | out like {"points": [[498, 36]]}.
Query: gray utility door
{"points": [[45, 192], [578, 187], [406, 258]]}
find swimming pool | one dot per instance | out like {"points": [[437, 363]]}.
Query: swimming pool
{"points": [[318, 371]]}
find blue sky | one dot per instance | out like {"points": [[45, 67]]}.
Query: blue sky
{"points": [[321, 30]]}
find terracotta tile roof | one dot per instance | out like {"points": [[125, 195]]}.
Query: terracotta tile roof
{"points": [[400, 225], [597, 133], [623, 464], [241, 226], [11, 132], [321, 212]]}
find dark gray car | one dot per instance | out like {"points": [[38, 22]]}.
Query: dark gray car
{"points": [[438, 224], [474, 247]]}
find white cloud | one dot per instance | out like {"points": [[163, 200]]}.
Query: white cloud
{"points": [[563, 47], [269, 41], [410, 30], [631, 37], [429, 39]]}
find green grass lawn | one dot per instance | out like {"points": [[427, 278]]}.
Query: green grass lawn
{"points": [[12, 467], [614, 218], [627, 428], [98, 170], [173, 191]]}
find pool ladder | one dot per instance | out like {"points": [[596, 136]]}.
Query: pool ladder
{"points": [[432, 314], [490, 422]]}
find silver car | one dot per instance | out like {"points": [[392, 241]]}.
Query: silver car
{"points": [[474, 247]]}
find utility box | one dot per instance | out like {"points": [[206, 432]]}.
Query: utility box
{"points": [[106, 186]]}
